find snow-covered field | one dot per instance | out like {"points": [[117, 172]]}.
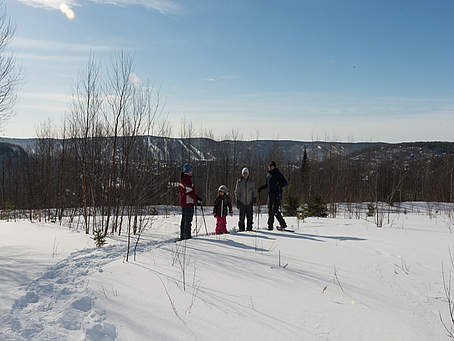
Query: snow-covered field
{"points": [[333, 279]]}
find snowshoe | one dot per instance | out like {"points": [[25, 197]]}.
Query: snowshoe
{"points": [[285, 229]]}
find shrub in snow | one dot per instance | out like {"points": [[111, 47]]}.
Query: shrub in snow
{"points": [[4, 216], [99, 238], [315, 208], [370, 209], [291, 204], [7, 212]]}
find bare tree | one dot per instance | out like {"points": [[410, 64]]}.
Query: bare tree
{"points": [[9, 75], [86, 106], [120, 90]]}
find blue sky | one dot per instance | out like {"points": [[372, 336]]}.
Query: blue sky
{"points": [[303, 70]]}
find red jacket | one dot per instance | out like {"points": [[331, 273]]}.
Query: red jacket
{"points": [[188, 198]]}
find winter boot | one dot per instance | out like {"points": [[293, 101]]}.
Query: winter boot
{"points": [[282, 227]]}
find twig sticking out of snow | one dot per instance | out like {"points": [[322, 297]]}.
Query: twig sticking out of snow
{"points": [[449, 299], [337, 280]]}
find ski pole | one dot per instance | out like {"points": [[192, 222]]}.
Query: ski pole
{"points": [[203, 217], [258, 213], [196, 227]]}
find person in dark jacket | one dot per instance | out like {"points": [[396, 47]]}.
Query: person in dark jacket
{"points": [[275, 182], [188, 200], [246, 197], [222, 207]]}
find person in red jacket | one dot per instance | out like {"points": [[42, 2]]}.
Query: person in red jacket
{"points": [[188, 199], [222, 205]]}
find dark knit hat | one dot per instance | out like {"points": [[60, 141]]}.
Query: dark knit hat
{"points": [[273, 164], [223, 188]]}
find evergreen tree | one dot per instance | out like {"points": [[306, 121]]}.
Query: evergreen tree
{"points": [[99, 238], [291, 204], [304, 173], [315, 208]]}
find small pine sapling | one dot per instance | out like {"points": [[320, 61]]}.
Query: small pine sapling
{"points": [[99, 238], [291, 205], [315, 208], [370, 209]]}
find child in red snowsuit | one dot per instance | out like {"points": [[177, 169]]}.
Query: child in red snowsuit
{"points": [[222, 206]]}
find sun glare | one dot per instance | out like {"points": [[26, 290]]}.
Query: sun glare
{"points": [[67, 11]]}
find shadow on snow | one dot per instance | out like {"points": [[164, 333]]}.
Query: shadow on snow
{"points": [[232, 243], [314, 237]]}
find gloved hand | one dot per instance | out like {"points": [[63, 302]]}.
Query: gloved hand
{"points": [[199, 201], [238, 204], [231, 214], [214, 215]]}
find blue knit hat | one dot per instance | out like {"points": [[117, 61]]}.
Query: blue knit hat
{"points": [[187, 168]]}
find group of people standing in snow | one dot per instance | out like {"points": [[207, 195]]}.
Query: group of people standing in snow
{"points": [[245, 195]]}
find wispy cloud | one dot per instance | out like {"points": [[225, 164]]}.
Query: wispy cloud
{"points": [[329, 117], [43, 101], [312, 128], [67, 6], [49, 4], [49, 58], [33, 50], [33, 44], [45, 96], [163, 6]]}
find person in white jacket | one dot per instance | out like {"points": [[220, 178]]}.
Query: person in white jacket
{"points": [[246, 196]]}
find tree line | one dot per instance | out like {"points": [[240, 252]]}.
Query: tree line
{"points": [[103, 168]]}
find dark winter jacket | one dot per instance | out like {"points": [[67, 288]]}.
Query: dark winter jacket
{"points": [[275, 182], [245, 191], [188, 198], [222, 206]]}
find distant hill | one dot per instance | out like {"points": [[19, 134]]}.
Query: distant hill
{"points": [[409, 151], [10, 152], [25, 144], [204, 149]]}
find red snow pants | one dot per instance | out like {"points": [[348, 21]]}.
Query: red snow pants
{"points": [[221, 225]]}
